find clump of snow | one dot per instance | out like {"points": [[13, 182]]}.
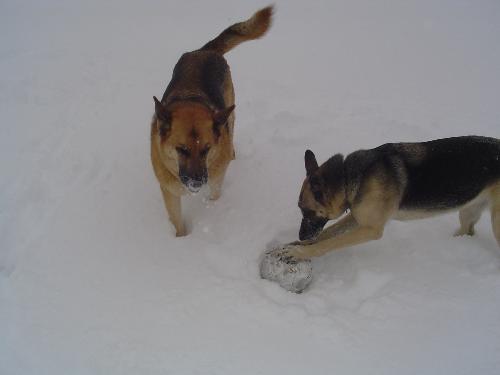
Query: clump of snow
{"points": [[92, 278], [294, 275]]}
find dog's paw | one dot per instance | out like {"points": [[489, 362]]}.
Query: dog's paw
{"points": [[290, 254], [215, 195], [464, 232], [181, 233]]}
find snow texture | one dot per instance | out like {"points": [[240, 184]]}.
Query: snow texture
{"points": [[92, 278], [293, 275]]}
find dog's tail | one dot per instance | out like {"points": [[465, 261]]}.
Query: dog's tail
{"points": [[253, 28]]}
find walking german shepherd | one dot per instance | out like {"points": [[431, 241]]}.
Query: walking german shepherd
{"points": [[399, 181], [192, 127]]}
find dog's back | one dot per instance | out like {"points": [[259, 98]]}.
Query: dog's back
{"points": [[199, 75], [436, 175], [451, 172]]}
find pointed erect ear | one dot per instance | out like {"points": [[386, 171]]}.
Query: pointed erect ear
{"points": [[310, 162], [161, 112], [220, 117], [164, 117]]}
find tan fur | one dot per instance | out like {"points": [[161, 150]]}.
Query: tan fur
{"points": [[333, 208], [346, 223], [365, 222], [495, 211], [369, 215], [192, 116], [469, 214], [186, 119]]}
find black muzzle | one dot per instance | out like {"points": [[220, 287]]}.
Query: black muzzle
{"points": [[310, 228]]}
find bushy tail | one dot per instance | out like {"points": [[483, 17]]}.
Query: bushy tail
{"points": [[253, 28]]}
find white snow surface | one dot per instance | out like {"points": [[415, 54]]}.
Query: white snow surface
{"points": [[92, 278]]}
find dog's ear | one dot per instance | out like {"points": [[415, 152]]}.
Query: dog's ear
{"points": [[220, 118], [163, 115], [310, 162]]}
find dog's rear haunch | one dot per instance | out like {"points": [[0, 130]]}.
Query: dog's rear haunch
{"points": [[399, 181], [192, 128]]}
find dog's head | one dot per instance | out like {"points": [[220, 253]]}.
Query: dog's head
{"points": [[189, 139], [322, 197]]}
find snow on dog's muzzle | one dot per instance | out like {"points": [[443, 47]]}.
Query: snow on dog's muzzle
{"points": [[193, 186]]}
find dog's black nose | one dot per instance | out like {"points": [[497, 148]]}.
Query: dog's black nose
{"points": [[193, 184], [305, 233]]}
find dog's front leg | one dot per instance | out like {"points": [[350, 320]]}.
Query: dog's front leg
{"points": [[356, 235], [215, 182], [173, 206], [346, 223]]}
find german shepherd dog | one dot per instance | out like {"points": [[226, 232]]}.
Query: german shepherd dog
{"points": [[399, 181], [192, 127]]}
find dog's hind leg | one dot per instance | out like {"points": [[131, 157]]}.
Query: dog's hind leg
{"points": [[495, 211], [469, 216]]}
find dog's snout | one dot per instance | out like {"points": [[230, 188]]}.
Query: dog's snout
{"points": [[306, 232], [195, 182], [310, 228]]}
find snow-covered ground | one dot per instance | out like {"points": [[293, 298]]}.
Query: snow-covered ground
{"points": [[92, 279]]}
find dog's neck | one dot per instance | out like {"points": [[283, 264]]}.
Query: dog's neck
{"points": [[334, 175], [343, 188]]}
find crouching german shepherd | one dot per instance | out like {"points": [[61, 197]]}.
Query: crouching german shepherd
{"points": [[192, 128], [399, 181]]}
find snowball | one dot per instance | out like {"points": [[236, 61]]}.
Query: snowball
{"points": [[293, 275]]}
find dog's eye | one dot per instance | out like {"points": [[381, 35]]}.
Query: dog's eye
{"points": [[318, 196], [183, 150], [205, 150]]}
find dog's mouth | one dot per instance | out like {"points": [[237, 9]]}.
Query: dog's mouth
{"points": [[310, 228], [192, 185]]}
